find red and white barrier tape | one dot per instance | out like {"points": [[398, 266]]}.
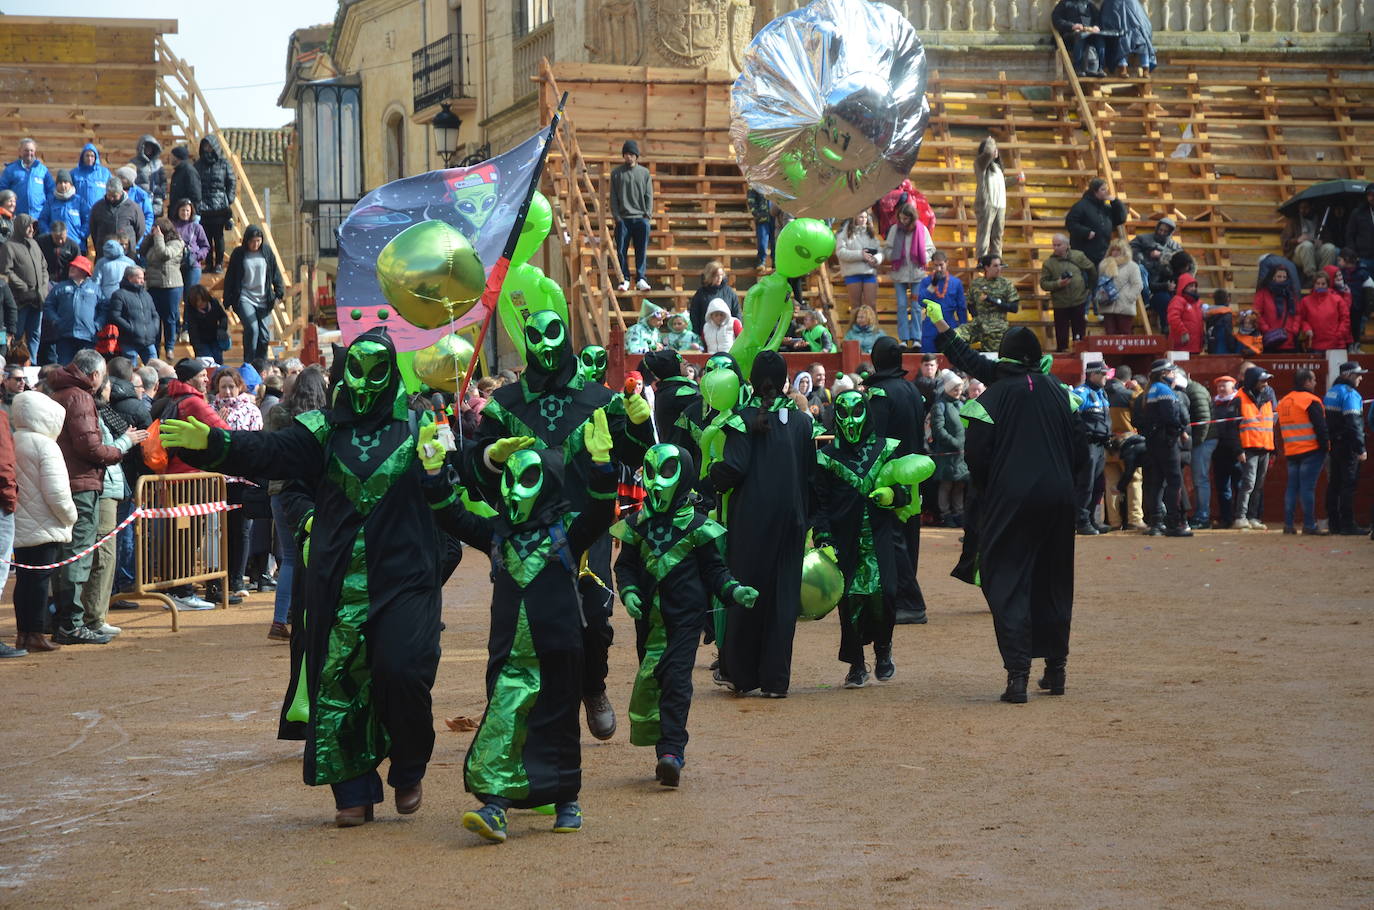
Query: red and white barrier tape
{"points": [[205, 508]]}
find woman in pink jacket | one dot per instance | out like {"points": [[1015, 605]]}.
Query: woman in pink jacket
{"points": [[1324, 314]]}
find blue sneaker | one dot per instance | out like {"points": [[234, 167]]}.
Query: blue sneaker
{"points": [[569, 820], [669, 770], [488, 822]]}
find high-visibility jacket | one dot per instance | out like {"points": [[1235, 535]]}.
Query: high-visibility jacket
{"points": [[1295, 423], [1256, 423]]}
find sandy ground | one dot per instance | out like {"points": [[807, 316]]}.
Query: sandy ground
{"points": [[1214, 750]]}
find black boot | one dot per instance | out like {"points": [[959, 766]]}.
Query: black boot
{"points": [[1016, 686], [1053, 680]]}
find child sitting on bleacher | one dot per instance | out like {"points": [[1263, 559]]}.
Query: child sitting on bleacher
{"points": [[1249, 339], [680, 336], [1220, 322]]}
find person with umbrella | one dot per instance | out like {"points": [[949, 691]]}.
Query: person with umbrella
{"points": [[1304, 240]]}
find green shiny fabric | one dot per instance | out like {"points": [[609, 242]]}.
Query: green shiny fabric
{"points": [[495, 764], [524, 569], [645, 727], [865, 579], [349, 738], [365, 494]]}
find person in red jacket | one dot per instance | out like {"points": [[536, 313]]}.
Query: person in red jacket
{"points": [[1324, 314], [1185, 317], [186, 399], [1276, 304]]}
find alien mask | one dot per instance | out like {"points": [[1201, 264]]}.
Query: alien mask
{"points": [[544, 337], [662, 475], [367, 373], [851, 415], [591, 364], [521, 481]]}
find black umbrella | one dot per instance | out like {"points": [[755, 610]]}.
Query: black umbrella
{"points": [[1330, 194]]}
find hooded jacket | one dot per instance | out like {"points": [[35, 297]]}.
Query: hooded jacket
{"points": [[109, 269], [1277, 308], [131, 308], [696, 310], [32, 186], [185, 184], [718, 339], [185, 402], [25, 268], [190, 232], [73, 310], [1091, 216], [82, 448], [1185, 318], [233, 274], [643, 337], [134, 410], [72, 210], [218, 185], [108, 220], [150, 175], [163, 258], [1326, 314], [46, 512], [203, 328], [1157, 268], [90, 181]]}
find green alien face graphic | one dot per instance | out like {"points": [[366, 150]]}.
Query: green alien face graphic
{"points": [[662, 475], [367, 372], [474, 196], [544, 336], [591, 364], [521, 481], [851, 414]]}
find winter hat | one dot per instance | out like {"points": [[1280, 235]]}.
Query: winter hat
{"points": [[886, 354], [769, 370], [82, 263], [662, 364], [1020, 345], [127, 172], [1168, 223], [1220, 379], [189, 368], [64, 175], [181, 153], [630, 148], [251, 378]]}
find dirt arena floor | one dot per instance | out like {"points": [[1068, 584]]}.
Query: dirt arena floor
{"points": [[1215, 749]]}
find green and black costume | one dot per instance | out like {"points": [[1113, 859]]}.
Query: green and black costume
{"points": [[372, 583]]}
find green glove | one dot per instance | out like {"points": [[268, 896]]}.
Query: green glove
{"points": [[596, 436], [184, 434], [933, 311], [501, 449], [637, 409], [882, 496], [632, 603], [305, 544], [431, 453], [745, 596]]}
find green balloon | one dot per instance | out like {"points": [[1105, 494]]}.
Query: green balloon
{"points": [[527, 290], [405, 362], [536, 228], [802, 246], [908, 471], [822, 585], [720, 389], [767, 314]]}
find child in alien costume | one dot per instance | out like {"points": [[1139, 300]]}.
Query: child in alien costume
{"points": [[551, 405], [371, 611], [669, 567], [855, 518], [527, 753]]}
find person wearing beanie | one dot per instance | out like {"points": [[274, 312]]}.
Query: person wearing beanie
{"points": [[128, 176], [632, 205], [1257, 406], [116, 213], [677, 402], [66, 207], [1154, 252]]}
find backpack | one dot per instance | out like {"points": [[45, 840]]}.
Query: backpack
{"points": [[1105, 292]]}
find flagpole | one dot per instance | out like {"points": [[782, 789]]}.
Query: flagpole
{"points": [[491, 295]]}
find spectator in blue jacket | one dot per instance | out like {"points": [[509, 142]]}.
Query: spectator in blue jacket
{"points": [[1094, 414], [65, 204], [110, 267], [29, 178], [90, 176], [946, 290], [73, 309], [1345, 421]]}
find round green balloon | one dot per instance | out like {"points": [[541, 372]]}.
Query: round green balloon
{"points": [[430, 274], [822, 585], [538, 223], [720, 389], [802, 246]]}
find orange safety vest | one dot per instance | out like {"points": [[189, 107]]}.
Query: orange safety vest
{"points": [[1256, 424], [1299, 436]]}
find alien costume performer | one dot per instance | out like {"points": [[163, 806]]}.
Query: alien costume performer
{"points": [[677, 403], [552, 404], [670, 565], [371, 611], [854, 516], [527, 751]]}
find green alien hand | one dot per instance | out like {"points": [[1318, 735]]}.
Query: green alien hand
{"points": [[632, 604], [745, 596], [597, 437], [933, 311], [637, 409], [502, 449], [184, 434], [431, 453], [882, 496]]}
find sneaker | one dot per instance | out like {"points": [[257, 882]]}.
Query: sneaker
{"points": [[1199, 524], [193, 602], [212, 596], [1257, 525], [642, 285], [106, 629], [623, 286], [265, 583], [1240, 524], [1179, 531], [1354, 531], [240, 593], [911, 617], [488, 822], [857, 677], [669, 770], [7, 651], [569, 819], [719, 679], [279, 632], [1087, 530], [883, 667], [1155, 531], [80, 636]]}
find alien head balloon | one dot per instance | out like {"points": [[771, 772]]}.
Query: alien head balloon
{"points": [[536, 228], [441, 365], [431, 274], [803, 245], [526, 291], [829, 108], [720, 389]]}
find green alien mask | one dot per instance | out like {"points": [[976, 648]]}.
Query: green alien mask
{"points": [[591, 364], [521, 481], [662, 475], [851, 415], [367, 373], [544, 337]]}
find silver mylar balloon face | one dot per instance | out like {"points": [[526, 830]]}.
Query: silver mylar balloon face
{"points": [[829, 110]]}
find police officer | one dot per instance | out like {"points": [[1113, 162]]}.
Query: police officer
{"points": [[1345, 420], [1097, 426], [1165, 427]]}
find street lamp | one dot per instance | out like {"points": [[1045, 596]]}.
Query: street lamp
{"points": [[446, 125]]}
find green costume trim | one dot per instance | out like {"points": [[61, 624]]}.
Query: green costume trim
{"points": [[646, 725], [973, 410], [447, 501], [525, 568], [223, 448], [317, 423], [365, 494], [866, 579], [495, 763]]}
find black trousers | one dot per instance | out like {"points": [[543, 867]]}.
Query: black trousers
{"points": [[1088, 488], [31, 586], [873, 623], [1163, 484], [1027, 574], [1340, 488], [682, 631], [597, 634], [214, 223], [908, 545]]}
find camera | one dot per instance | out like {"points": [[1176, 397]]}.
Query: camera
{"points": [[871, 251], [1068, 275]]}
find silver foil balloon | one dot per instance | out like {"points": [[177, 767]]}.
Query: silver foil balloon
{"points": [[828, 112]]}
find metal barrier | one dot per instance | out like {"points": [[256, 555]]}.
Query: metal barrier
{"points": [[186, 545]]}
